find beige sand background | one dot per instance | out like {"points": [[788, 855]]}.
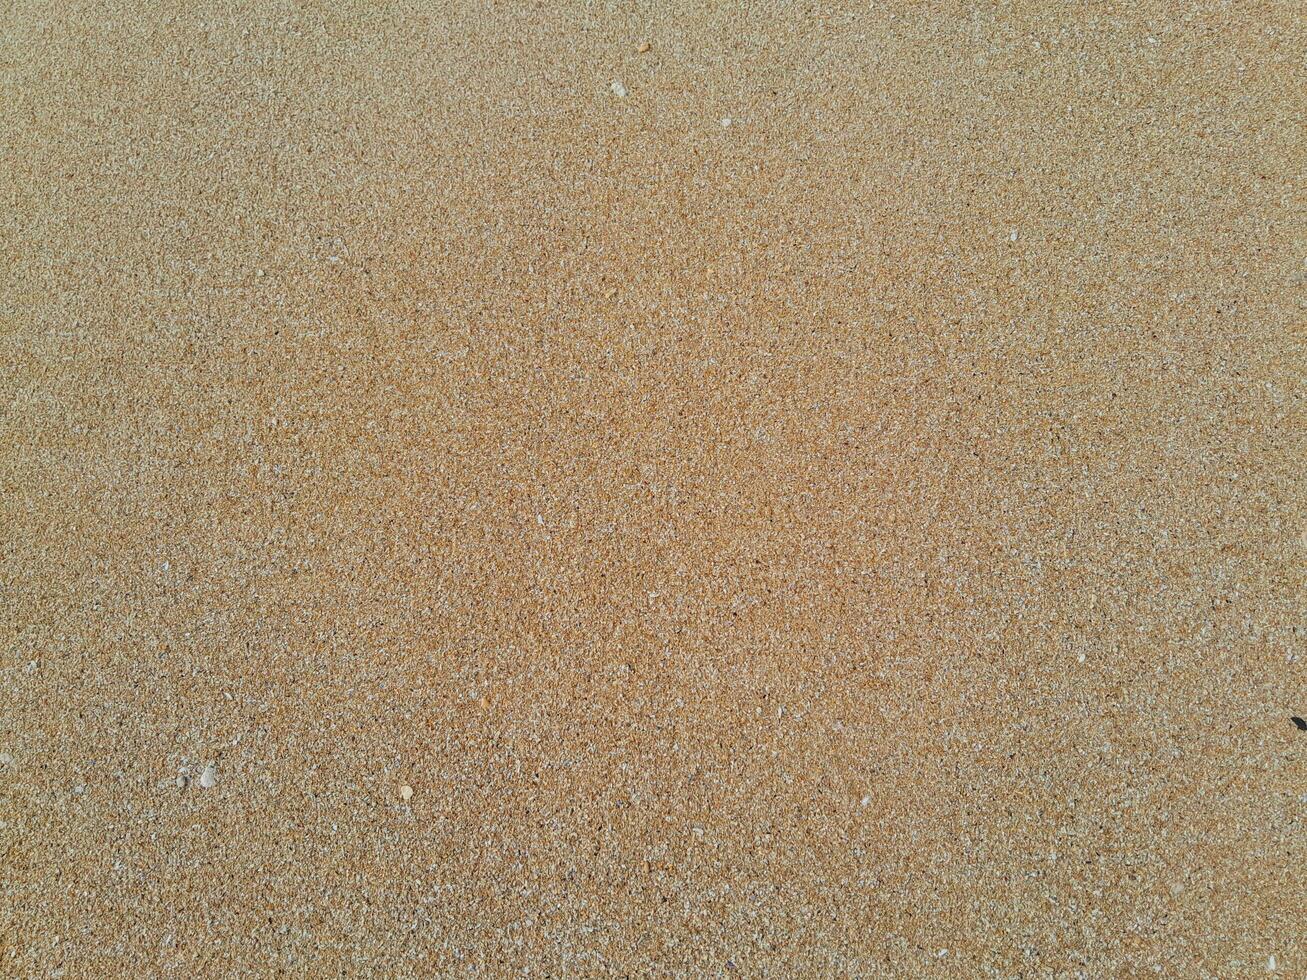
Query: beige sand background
{"points": [[863, 539]]}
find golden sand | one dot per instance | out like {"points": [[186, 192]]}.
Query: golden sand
{"points": [[627, 489]]}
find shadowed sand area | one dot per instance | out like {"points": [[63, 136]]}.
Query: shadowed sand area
{"points": [[834, 510]]}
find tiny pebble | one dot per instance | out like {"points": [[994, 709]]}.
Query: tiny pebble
{"points": [[619, 89], [406, 793], [865, 800], [182, 781], [726, 120], [644, 48], [6, 759], [1013, 236], [209, 778]]}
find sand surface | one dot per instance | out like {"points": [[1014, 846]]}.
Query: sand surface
{"points": [[833, 510]]}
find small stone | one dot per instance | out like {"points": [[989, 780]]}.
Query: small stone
{"points": [[406, 792], [619, 89], [644, 48], [259, 273], [1013, 236], [864, 801], [183, 781], [726, 121], [6, 759], [1270, 963], [209, 778]]}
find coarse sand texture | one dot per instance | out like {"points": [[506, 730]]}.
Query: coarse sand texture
{"points": [[623, 489]]}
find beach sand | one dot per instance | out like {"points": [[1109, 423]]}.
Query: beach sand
{"points": [[652, 489]]}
